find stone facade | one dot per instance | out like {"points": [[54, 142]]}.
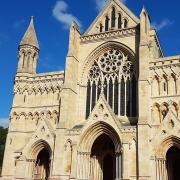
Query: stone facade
{"points": [[113, 114]]}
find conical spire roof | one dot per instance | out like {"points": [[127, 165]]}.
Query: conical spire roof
{"points": [[30, 37]]}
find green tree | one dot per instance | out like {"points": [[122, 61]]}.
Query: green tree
{"points": [[3, 134]]}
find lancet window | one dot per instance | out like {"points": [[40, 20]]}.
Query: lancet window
{"points": [[113, 74], [125, 23], [106, 23], [119, 21], [113, 18]]}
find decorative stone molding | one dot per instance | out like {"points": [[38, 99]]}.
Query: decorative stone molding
{"points": [[109, 35], [40, 84]]}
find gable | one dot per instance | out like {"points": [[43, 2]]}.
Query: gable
{"points": [[122, 15], [43, 133], [103, 112], [169, 127]]}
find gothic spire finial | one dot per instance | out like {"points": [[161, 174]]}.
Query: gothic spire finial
{"points": [[30, 37]]}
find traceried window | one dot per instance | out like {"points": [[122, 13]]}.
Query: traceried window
{"points": [[114, 75]]}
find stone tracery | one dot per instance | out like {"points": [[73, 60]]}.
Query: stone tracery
{"points": [[113, 74]]}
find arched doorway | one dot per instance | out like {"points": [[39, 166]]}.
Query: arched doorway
{"points": [[103, 159], [173, 163], [42, 165], [99, 147]]}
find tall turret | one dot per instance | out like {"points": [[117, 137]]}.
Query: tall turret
{"points": [[28, 51]]}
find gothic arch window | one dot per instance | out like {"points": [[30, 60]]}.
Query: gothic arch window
{"points": [[113, 18], [164, 85], [125, 23], [28, 59], [113, 74], [106, 23], [23, 59], [100, 27], [119, 21]]}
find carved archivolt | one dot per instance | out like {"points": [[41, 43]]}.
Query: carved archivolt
{"points": [[108, 58], [166, 145]]}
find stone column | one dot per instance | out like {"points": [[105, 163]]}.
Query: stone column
{"points": [[161, 170], [30, 168], [118, 166], [83, 165]]}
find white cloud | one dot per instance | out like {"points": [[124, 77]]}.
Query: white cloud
{"points": [[100, 4], [163, 24], [61, 14], [4, 122]]}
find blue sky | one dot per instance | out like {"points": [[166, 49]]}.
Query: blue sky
{"points": [[52, 19]]}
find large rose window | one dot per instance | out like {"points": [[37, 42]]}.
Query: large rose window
{"points": [[113, 74], [110, 61]]}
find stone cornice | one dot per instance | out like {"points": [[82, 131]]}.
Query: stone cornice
{"points": [[165, 62], [109, 35], [48, 82], [44, 77]]}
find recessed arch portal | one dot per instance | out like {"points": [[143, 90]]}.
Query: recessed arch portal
{"points": [[168, 159], [42, 165], [41, 155], [94, 131], [103, 159], [99, 146], [173, 163]]}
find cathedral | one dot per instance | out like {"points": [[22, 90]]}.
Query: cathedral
{"points": [[112, 114]]}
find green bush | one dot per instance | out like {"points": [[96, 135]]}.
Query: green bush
{"points": [[3, 134]]}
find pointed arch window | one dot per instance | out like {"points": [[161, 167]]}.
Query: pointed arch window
{"points": [[94, 94], [100, 27], [23, 59], [116, 95], [119, 21], [28, 59], [128, 101], [106, 23], [110, 94], [125, 23], [134, 96], [113, 74], [113, 18], [88, 103], [122, 110]]}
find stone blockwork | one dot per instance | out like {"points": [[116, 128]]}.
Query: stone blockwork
{"points": [[114, 113]]}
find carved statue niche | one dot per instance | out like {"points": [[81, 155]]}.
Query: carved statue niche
{"points": [[155, 86], [172, 84], [164, 85], [55, 117], [68, 156], [156, 114], [164, 110], [36, 118], [174, 108]]}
